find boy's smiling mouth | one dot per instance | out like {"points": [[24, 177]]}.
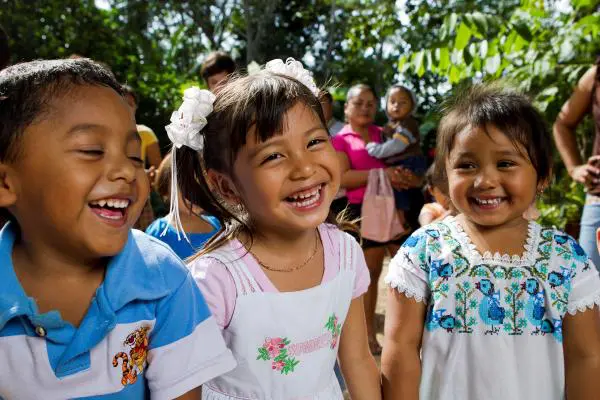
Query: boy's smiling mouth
{"points": [[111, 210]]}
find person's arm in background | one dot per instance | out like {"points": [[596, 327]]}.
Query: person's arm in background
{"points": [[354, 178], [351, 178], [564, 127]]}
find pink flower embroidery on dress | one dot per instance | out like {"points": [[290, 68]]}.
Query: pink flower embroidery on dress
{"points": [[275, 349], [335, 328]]}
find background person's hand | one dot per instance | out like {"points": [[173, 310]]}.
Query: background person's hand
{"points": [[588, 174], [403, 179]]}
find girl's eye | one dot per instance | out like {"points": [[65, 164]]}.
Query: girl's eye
{"points": [[271, 157], [315, 142], [506, 164], [465, 165]]}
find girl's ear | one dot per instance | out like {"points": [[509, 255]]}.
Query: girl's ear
{"points": [[223, 185], [8, 193]]}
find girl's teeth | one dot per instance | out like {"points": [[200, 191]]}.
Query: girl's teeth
{"points": [[315, 198], [306, 195], [102, 203], [489, 202]]}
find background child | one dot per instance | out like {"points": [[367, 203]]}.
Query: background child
{"points": [[197, 227], [401, 146], [439, 208], [500, 307], [280, 282], [87, 306], [216, 69]]}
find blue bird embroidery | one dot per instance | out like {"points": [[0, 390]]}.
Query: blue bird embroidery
{"points": [[561, 239], [578, 252], [558, 279], [490, 310], [437, 318], [535, 307], [448, 322], [439, 269], [432, 233], [553, 328], [412, 241]]}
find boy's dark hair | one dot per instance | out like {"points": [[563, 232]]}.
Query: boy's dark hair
{"points": [[506, 109], [4, 49], [217, 62], [129, 91], [28, 89], [256, 102]]}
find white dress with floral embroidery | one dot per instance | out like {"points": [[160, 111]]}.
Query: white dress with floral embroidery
{"points": [[494, 323]]}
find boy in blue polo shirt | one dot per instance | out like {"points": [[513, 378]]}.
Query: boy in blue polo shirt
{"points": [[88, 307]]}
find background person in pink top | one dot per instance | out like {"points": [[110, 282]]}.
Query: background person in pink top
{"points": [[350, 142]]}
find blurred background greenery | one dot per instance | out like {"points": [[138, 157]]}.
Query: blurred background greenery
{"points": [[432, 46]]}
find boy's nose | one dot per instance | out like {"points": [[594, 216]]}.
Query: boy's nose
{"points": [[122, 168]]}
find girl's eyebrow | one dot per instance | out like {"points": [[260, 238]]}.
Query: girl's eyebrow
{"points": [[275, 140]]}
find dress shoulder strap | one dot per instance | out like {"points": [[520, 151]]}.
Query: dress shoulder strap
{"points": [[348, 250], [243, 279]]}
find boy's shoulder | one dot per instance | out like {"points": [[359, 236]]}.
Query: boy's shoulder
{"points": [[153, 261]]}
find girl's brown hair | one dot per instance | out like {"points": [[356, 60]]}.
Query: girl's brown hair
{"points": [[503, 107], [259, 101]]}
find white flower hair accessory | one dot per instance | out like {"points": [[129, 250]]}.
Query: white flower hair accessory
{"points": [[190, 118], [185, 130], [293, 69]]}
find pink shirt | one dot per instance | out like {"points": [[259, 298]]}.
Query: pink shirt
{"points": [[218, 287], [351, 143]]}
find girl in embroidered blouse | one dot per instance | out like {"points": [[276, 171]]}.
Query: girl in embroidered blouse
{"points": [[489, 304], [280, 278]]}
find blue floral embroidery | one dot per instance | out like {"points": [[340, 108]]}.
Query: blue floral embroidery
{"points": [[495, 298]]}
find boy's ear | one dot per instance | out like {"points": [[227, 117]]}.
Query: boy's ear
{"points": [[8, 195], [223, 185]]}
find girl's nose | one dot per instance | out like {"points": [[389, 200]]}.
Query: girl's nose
{"points": [[303, 167]]}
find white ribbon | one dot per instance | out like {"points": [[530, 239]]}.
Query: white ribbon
{"points": [[190, 119], [184, 130], [293, 69]]}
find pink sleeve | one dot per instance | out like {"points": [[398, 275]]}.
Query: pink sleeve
{"points": [[338, 143], [362, 278], [217, 286]]}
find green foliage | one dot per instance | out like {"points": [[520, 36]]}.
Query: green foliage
{"points": [[535, 47]]}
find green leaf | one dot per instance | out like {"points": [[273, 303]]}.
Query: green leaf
{"points": [[467, 56], [444, 58], [523, 30], [480, 22], [462, 36], [417, 63]]}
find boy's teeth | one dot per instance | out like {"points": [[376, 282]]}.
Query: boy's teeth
{"points": [[114, 203]]}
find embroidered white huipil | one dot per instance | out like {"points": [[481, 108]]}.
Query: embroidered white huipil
{"points": [[286, 343]]}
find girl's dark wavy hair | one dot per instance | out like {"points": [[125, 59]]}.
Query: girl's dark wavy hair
{"points": [[497, 104], [259, 101]]}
